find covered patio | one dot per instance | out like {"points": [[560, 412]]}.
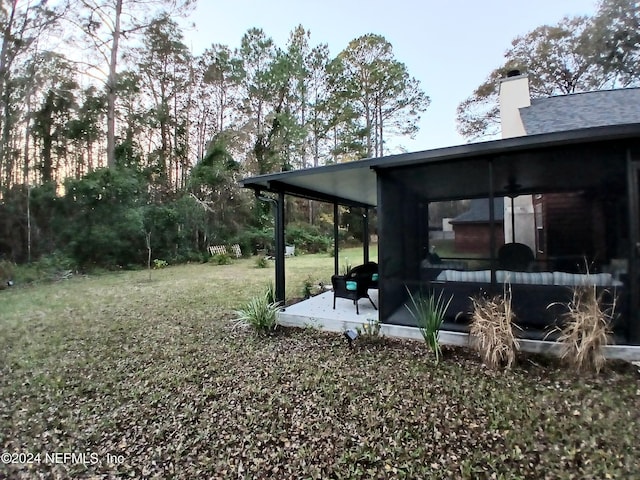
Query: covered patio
{"points": [[598, 166]]}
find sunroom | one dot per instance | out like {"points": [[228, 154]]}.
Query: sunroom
{"points": [[571, 217]]}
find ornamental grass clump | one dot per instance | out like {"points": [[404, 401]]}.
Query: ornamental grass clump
{"points": [[492, 330], [428, 312], [586, 329], [260, 313]]}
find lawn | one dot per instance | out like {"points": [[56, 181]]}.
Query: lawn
{"points": [[149, 379]]}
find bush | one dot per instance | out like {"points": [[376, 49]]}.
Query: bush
{"points": [[159, 264], [491, 331], [260, 314], [307, 238], [253, 239], [370, 331], [7, 272], [221, 259], [56, 266], [262, 262], [429, 312], [586, 330], [307, 288]]}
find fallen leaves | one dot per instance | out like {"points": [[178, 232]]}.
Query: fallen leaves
{"points": [[176, 393]]}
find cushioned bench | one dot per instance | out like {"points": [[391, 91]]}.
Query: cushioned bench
{"points": [[530, 278], [538, 298]]}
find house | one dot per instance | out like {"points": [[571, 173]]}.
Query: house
{"points": [[472, 229], [561, 224], [596, 169]]}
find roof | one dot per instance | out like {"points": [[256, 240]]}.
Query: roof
{"points": [[479, 212], [537, 163], [582, 110]]}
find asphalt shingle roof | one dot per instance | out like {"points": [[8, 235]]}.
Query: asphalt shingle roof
{"points": [[582, 110], [479, 211]]}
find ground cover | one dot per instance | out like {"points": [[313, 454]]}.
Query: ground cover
{"points": [[149, 379]]}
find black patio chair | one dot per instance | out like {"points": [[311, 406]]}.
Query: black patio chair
{"points": [[352, 287], [516, 257], [369, 271]]}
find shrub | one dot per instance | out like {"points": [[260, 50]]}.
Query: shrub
{"points": [[271, 292], [159, 264], [56, 266], [586, 330], [260, 314], [491, 331], [370, 330], [346, 267], [307, 238], [428, 312], [262, 262], [253, 239], [7, 272], [221, 259], [307, 288]]}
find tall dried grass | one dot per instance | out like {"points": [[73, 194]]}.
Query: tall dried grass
{"points": [[586, 329], [492, 330]]}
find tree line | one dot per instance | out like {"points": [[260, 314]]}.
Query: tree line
{"points": [[93, 88], [115, 138]]}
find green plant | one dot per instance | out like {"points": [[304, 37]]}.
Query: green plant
{"points": [[307, 288], [586, 329], [307, 238], [259, 313], [429, 312], [346, 268], [159, 264], [370, 330], [221, 259], [7, 271], [262, 262], [271, 292], [491, 332]]}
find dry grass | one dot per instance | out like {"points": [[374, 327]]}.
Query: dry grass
{"points": [[491, 330], [586, 330]]}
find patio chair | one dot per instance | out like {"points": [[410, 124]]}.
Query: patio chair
{"points": [[352, 287], [369, 271], [516, 257]]}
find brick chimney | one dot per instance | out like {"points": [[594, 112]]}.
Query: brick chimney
{"points": [[514, 94]]}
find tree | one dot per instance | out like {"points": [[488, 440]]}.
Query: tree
{"points": [[51, 119], [264, 92], [105, 23], [616, 39], [164, 67], [380, 89], [578, 54], [219, 74], [23, 24], [213, 184], [84, 130]]}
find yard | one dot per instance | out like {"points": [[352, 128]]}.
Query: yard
{"points": [[148, 379]]}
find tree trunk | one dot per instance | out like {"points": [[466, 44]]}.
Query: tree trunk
{"points": [[111, 89]]}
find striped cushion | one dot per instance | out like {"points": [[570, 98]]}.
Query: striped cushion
{"points": [[524, 278], [573, 279]]}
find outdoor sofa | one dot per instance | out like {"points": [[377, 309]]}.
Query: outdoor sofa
{"points": [[539, 299]]}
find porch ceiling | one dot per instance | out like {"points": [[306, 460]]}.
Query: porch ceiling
{"points": [[536, 163]]}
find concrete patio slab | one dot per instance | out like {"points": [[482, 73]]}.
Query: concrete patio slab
{"points": [[317, 312]]}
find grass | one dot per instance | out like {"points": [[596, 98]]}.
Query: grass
{"points": [[586, 330], [154, 372], [492, 330]]}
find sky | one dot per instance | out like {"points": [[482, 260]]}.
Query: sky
{"points": [[449, 46]]}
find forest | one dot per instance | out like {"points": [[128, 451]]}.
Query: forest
{"points": [[117, 141]]}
